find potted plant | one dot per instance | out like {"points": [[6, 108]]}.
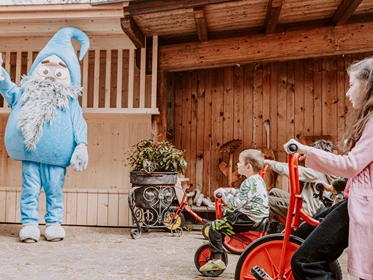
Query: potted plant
{"points": [[155, 166], [155, 163]]}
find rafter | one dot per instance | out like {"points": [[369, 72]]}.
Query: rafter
{"points": [[345, 11], [133, 32], [200, 20], [156, 6], [324, 41], [273, 13]]}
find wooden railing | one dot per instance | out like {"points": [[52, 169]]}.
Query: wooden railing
{"points": [[111, 81]]}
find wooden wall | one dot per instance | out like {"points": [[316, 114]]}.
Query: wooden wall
{"points": [[96, 196], [208, 108]]}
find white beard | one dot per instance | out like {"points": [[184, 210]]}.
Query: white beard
{"points": [[39, 101]]}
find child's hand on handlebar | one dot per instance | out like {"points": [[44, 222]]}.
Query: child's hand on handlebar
{"points": [[302, 149], [327, 187]]}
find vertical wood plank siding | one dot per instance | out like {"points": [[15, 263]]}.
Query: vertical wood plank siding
{"points": [[213, 106]]}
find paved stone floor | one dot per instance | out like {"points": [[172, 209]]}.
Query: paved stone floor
{"points": [[106, 253]]}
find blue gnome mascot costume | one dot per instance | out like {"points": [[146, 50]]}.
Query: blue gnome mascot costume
{"points": [[46, 130]]}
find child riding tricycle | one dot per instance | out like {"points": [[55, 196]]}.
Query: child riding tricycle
{"points": [[268, 256], [248, 211]]}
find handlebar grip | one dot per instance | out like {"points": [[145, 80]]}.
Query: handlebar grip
{"points": [[219, 195], [319, 187], [292, 148]]}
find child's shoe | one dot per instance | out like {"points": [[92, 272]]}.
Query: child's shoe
{"points": [[213, 265]]}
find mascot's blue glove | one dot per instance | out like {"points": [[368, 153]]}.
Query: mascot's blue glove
{"points": [[79, 160]]}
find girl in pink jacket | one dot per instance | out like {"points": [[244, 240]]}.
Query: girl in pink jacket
{"points": [[328, 240]]}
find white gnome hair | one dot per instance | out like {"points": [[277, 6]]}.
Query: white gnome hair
{"points": [[39, 101]]}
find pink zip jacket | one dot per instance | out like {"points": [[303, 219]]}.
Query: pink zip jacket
{"points": [[357, 165]]}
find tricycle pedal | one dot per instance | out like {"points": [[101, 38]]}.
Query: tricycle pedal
{"points": [[260, 274]]}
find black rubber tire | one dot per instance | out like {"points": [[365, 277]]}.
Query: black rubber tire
{"points": [[337, 269], [179, 223], [205, 230], [295, 241], [206, 257]]}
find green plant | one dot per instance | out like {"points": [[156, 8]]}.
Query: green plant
{"points": [[150, 156]]}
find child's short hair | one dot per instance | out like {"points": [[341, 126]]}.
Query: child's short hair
{"points": [[324, 145], [339, 184], [253, 157]]}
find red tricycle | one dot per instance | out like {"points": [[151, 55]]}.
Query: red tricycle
{"points": [[174, 221], [269, 256]]}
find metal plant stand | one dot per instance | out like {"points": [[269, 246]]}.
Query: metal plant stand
{"points": [[150, 207]]}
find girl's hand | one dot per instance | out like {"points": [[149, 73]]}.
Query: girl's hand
{"points": [[302, 149]]}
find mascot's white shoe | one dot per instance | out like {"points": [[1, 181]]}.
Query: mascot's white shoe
{"points": [[54, 232], [30, 233]]}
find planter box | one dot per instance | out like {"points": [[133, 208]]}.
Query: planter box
{"points": [[154, 197], [140, 178]]}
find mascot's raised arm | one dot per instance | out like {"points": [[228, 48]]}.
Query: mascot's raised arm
{"points": [[46, 130]]}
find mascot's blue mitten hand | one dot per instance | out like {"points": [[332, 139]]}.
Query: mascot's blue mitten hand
{"points": [[79, 160]]}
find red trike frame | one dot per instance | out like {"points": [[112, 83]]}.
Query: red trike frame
{"points": [[259, 254]]}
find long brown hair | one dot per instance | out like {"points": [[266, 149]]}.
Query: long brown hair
{"points": [[363, 72]]}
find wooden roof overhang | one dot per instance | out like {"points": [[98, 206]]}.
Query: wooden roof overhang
{"points": [[31, 26], [195, 34]]}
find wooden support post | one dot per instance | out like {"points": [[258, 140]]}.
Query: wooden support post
{"points": [[107, 79], [142, 77], [154, 71], [119, 78], [273, 13], [345, 11], [85, 81], [18, 67], [96, 79], [159, 122], [200, 20], [29, 60], [131, 74]]}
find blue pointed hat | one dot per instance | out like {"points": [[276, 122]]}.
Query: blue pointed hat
{"points": [[61, 45]]}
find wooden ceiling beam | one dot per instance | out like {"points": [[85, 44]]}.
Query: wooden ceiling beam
{"points": [[345, 11], [133, 32], [199, 18], [156, 6], [323, 41], [273, 13]]}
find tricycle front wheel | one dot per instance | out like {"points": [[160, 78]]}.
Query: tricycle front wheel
{"points": [[203, 255]]}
